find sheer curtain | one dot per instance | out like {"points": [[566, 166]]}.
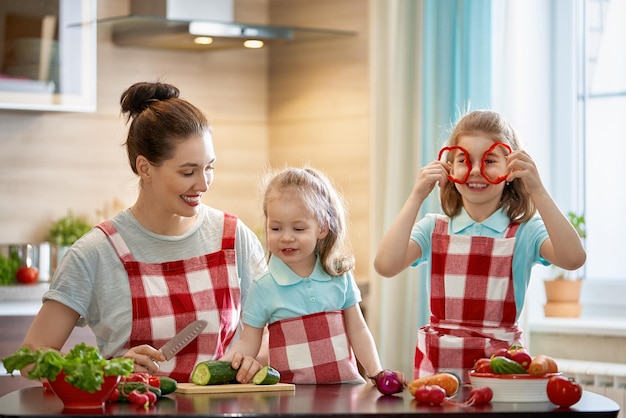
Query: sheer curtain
{"points": [[430, 59]]}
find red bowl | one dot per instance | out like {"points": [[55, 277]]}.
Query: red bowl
{"points": [[74, 398]]}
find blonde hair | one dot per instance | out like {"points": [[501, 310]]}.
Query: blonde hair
{"points": [[325, 204], [515, 200]]}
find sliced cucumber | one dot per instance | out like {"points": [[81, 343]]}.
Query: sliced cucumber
{"points": [[266, 376]]}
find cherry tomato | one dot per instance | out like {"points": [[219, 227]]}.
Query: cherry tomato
{"points": [[503, 352], [154, 381], [563, 391], [27, 275], [115, 396], [483, 365]]}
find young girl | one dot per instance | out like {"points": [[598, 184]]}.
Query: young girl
{"points": [[482, 252], [309, 297]]}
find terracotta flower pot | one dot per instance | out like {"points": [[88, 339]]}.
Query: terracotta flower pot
{"points": [[562, 298]]}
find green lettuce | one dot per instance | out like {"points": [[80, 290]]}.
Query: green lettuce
{"points": [[84, 366]]}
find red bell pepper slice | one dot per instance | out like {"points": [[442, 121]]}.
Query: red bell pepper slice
{"points": [[468, 163], [483, 165]]}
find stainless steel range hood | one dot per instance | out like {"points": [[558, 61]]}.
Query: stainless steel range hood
{"points": [[200, 25]]}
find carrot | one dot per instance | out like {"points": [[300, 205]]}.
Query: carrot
{"points": [[447, 381], [542, 364]]}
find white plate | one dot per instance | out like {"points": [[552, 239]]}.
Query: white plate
{"points": [[513, 387]]}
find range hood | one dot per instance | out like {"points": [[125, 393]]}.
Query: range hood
{"points": [[200, 25]]}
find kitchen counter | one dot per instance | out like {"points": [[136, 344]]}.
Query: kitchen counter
{"points": [[307, 401], [22, 300]]}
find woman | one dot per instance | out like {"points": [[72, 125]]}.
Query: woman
{"points": [[168, 260]]}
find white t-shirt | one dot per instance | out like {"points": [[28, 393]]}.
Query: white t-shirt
{"points": [[92, 280]]}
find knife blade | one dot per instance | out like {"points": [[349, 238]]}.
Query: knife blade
{"points": [[183, 338]]}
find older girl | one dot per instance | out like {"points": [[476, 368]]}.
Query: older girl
{"points": [[482, 251]]}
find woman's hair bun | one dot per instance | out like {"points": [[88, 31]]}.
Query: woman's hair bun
{"points": [[138, 97]]}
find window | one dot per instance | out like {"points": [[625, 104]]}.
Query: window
{"points": [[603, 109], [563, 87]]}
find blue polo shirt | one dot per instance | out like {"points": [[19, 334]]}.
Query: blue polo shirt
{"points": [[528, 240], [281, 294]]}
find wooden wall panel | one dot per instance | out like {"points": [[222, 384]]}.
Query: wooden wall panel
{"points": [[287, 104], [319, 105], [51, 162]]}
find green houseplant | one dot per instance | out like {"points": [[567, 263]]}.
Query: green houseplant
{"points": [[64, 232], [68, 229], [563, 289]]}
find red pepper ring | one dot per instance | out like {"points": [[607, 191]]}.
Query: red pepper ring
{"points": [[483, 164], [468, 163]]}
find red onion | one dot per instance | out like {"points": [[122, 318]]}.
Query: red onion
{"points": [[388, 383]]}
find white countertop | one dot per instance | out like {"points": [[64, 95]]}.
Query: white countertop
{"points": [[21, 300]]}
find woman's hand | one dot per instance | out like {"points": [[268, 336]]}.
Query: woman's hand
{"points": [[246, 367], [146, 358]]}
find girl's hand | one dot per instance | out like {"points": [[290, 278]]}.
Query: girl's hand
{"points": [[145, 358], [402, 377], [521, 166], [246, 367], [428, 176]]}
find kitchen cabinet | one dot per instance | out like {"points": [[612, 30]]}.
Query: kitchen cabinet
{"points": [[48, 55]]}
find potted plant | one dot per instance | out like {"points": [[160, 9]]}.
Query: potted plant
{"points": [[64, 232], [563, 289]]}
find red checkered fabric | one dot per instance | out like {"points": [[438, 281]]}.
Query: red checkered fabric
{"points": [[472, 301], [312, 349], [168, 296]]}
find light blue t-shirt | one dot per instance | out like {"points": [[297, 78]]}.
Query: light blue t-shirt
{"points": [[528, 240], [281, 294]]}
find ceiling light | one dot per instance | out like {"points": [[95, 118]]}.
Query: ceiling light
{"points": [[253, 43], [203, 40]]}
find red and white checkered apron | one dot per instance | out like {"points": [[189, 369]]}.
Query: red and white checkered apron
{"points": [[312, 349], [472, 302], [168, 296]]}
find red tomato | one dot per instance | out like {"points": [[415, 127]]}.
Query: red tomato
{"points": [[504, 352], [522, 356], [154, 381], [483, 365], [27, 275], [563, 391]]}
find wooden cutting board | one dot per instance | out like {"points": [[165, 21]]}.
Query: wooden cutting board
{"points": [[191, 388]]}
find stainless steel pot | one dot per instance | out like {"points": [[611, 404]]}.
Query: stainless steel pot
{"points": [[45, 256], [28, 253]]}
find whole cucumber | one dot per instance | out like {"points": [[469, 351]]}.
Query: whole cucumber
{"points": [[503, 365]]}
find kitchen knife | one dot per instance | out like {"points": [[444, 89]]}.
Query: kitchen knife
{"points": [[183, 338]]}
